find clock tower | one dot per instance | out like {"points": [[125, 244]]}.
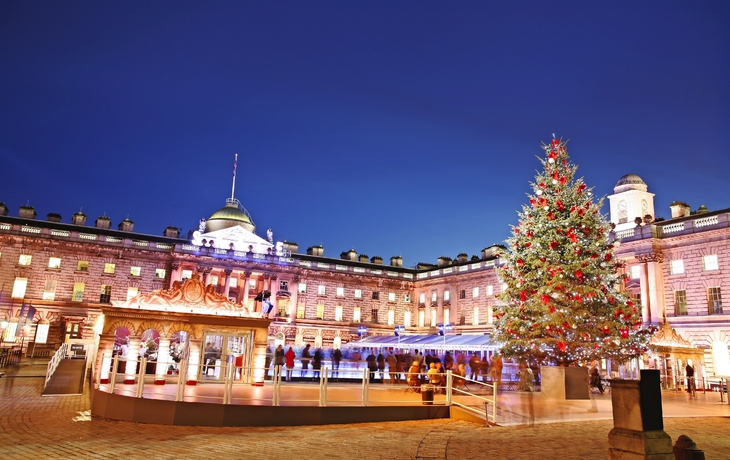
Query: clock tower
{"points": [[630, 200]]}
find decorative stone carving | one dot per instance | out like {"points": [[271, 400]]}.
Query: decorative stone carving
{"points": [[651, 257]]}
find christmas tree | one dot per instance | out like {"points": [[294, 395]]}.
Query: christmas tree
{"points": [[562, 303]]}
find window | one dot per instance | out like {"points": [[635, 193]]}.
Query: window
{"points": [[676, 267], [302, 288], [54, 262], [320, 311], [714, 301], [321, 289], [185, 275], [710, 262], [78, 293], [300, 311], [422, 298], [421, 317], [391, 297], [340, 291], [680, 303], [10, 331], [252, 284], [391, 317], [106, 294], [462, 294], [73, 330], [137, 271], [433, 317], [338, 313], [49, 290], [109, 268], [447, 316], [447, 296], [132, 292], [160, 273], [376, 295], [434, 296], [41, 332], [281, 307], [490, 289], [82, 266], [635, 272], [213, 279], [475, 316], [356, 315], [233, 282], [475, 293], [407, 318], [284, 286], [374, 315], [19, 288], [407, 298], [358, 293], [25, 259]]}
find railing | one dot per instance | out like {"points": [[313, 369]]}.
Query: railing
{"points": [[9, 356], [256, 385], [53, 363]]}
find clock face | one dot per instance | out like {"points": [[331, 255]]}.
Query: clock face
{"points": [[622, 205], [644, 205]]}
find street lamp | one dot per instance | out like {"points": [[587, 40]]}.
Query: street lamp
{"points": [[443, 329], [398, 330], [362, 330]]}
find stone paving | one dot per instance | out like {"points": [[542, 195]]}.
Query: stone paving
{"points": [[33, 427]]}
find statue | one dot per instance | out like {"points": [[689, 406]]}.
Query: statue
{"points": [[270, 236], [201, 226]]}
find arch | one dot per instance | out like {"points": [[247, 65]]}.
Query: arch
{"points": [[156, 325], [120, 323], [181, 327]]}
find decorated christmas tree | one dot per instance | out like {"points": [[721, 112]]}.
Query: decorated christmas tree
{"points": [[562, 303]]}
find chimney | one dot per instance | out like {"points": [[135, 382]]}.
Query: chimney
{"points": [[54, 217], [79, 218], [291, 247], [396, 261], [315, 251], [462, 258], [376, 260], [679, 209], [3, 209], [126, 225], [27, 212], [444, 261], [103, 222], [349, 255], [364, 258], [172, 232]]}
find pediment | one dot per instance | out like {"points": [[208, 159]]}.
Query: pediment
{"points": [[236, 238]]}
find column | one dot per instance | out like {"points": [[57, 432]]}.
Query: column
{"points": [[205, 271], [652, 287], [293, 299], [104, 357], [274, 288], [227, 284], [644, 286], [247, 276], [163, 360], [130, 368]]}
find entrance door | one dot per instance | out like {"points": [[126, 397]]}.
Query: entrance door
{"points": [[222, 349], [211, 366]]}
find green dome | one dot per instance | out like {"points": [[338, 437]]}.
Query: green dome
{"points": [[231, 215]]}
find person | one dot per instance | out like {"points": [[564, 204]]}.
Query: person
{"points": [[526, 378], [279, 358], [474, 364], [595, 379], [421, 361], [459, 374], [400, 366], [434, 376], [448, 361], [209, 357], [496, 371], [372, 365], [336, 359], [381, 366], [355, 357], [267, 362], [289, 355], [316, 363], [392, 367], [414, 374], [690, 371], [305, 360]]}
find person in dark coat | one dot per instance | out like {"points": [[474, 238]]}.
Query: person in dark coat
{"points": [[372, 365], [317, 362]]}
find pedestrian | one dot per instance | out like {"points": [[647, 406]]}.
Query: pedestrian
{"points": [[595, 379], [355, 358], [392, 367], [381, 366], [305, 360], [526, 378], [317, 363], [267, 362], [372, 365], [690, 372], [474, 364], [336, 359], [289, 355]]}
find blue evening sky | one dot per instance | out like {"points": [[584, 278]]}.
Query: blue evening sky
{"points": [[392, 127]]}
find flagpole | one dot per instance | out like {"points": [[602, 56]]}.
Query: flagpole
{"points": [[233, 187]]}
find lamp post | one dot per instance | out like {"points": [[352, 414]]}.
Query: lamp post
{"points": [[443, 329], [362, 330], [398, 330]]}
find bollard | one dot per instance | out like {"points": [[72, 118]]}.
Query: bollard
{"points": [[686, 449]]}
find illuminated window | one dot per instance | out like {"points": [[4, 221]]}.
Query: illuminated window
{"points": [[680, 303], [300, 310], [302, 288], [422, 298], [252, 284], [49, 290], [132, 292], [24, 259], [475, 293], [356, 315], [54, 262], [447, 296], [78, 293], [41, 332], [233, 282], [490, 290], [710, 262], [475, 316], [137, 271], [320, 311], [186, 274], [340, 291], [19, 288], [391, 297], [106, 294], [421, 317], [433, 317], [434, 297], [213, 279], [338, 313], [676, 267], [358, 293], [321, 289], [9, 333], [391, 317], [407, 318], [160, 273], [109, 268], [635, 272], [714, 301], [82, 266], [447, 316], [281, 307]]}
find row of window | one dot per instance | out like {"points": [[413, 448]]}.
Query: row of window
{"points": [[676, 267], [374, 318], [714, 302], [83, 266], [475, 292], [357, 293], [49, 291]]}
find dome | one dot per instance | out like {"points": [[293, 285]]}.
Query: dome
{"points": [[630, 182], [229, 216]]}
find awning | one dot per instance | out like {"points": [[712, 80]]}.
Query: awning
{"points": [[481, 342]]}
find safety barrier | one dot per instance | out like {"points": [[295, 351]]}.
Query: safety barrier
{"points": [[53, 363]]}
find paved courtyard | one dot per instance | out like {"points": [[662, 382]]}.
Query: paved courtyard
{"points": [[32, 427]]}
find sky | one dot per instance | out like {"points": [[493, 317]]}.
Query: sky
{"points": [[405, 128]]}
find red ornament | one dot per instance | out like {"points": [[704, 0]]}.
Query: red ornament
{"points": [[545, 299], [580, 188], [553, 245], [551, 216], [520, 262], [523, 296], [562, 346], [606, 330], [624, 333]]}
